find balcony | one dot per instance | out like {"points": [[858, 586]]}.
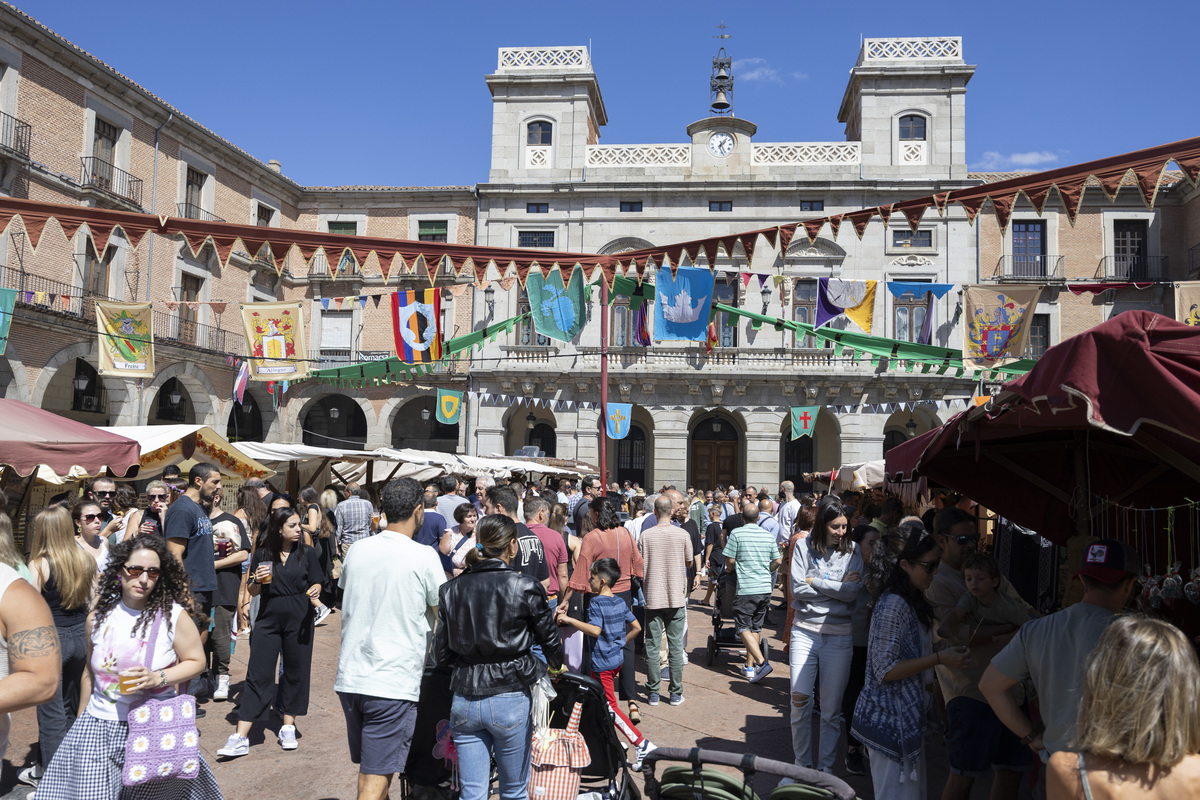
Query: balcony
{"points": [[14, 135], [99, 175], [1193, 262], [174, 329], [193, 211], [1029, 268], [1132, 268]]}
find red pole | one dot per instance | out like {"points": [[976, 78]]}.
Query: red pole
{"points": [[604, 381]]}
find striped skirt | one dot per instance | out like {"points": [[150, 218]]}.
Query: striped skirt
{"points": [[89, 764]]}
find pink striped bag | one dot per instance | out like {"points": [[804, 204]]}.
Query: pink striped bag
{"points": [[559, 756]]}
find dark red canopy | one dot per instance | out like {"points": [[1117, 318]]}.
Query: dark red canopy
{"points": [[1106, 421], [31, 437]]}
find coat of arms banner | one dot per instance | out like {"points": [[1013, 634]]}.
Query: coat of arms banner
{"points": [[126, 346], [276, 341], [996, 323]]}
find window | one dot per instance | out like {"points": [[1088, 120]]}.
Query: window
{"points": [[720, 205], [804, 309], [337, 336], [909, 313], [631, 206], [104, 146], [432, 230], [264, 215], [812, 205], [194, 189], [621, 321], [189, 292], [543, 240], [912, 128], [1039, 335], [537, 208], [1129, 250], [95, 272], [1029, 249], [725, 292], [540, 133], [526, 336], [348, 228], [908, 238]]}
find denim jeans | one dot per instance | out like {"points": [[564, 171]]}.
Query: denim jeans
{"points": [[56, 716], [498, 725], [673, 620], [830, 653]]}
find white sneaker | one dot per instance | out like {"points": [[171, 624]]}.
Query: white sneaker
{"points": [[235, 746], [761, 671], [222, 690], [287, 737], [644, 749], [322, 613]]}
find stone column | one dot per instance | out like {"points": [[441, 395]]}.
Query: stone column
{"points": [[862, 437], [763, 447], [670, 449]]}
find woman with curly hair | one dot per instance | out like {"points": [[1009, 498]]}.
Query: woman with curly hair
{"points": [[286, 575], [889, 718], [142, 583]]}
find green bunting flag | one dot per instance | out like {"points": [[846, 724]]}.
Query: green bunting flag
{"points": [[449, 406], [804, 420]]}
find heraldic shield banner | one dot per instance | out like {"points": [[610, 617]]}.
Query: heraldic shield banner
{"points": [[416, 320], [996, 324], [276, 340], [1187, 302], [804, 420], [617, 419], [126, 346], [558, 311], [449, 406]]}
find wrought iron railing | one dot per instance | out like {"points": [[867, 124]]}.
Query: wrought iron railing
{"points": [[15, 135], [193, 211], [176, 329], [1029, 267], [96, 173], [1193, 261], [1133, 268]]}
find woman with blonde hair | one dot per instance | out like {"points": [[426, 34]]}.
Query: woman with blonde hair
{"points": [[149, 521], [64, 574], [1138, 733], [9, 554]]}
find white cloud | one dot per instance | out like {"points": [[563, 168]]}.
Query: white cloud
{"points": [[993, 161], [799, 76], [755, 69]]}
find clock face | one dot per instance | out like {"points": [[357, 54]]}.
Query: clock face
{"points": [[720, 144]]}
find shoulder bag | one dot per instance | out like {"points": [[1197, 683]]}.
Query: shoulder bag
{"points": [[635, 583]]}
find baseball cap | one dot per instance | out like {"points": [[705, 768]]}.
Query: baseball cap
{"points": [[1109, 561]]}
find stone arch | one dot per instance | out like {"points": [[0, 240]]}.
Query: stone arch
{"points": [[347, 431], [632, 458], [895, 427], [409, 427], [257, 398], [821, 248], [624, 244], [121, 404], [516, 426], [200, 389], [14, 380], [716, 447], [818, 452]]}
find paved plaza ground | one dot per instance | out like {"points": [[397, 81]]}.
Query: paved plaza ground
{"points": [[722, 712]]}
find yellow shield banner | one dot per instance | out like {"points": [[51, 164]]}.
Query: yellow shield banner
{"points": [[276, 341], [449, 406], [126, 339]]}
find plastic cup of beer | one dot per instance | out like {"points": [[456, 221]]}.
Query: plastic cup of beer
{"points": [[375, 521], [265, 579], [128, 680]]}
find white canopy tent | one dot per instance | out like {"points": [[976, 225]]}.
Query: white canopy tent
{"points": [[185, 445]]}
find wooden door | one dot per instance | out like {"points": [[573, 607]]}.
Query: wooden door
{"points": [[714, 463]]}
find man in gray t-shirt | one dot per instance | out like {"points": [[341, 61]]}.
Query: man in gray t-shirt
{"points": [[1053, 651]]}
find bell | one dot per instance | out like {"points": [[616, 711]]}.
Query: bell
{"points": [[721, 103], [722, 74]]}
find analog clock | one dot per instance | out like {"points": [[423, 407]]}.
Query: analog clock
{"points": [[720, 144]]}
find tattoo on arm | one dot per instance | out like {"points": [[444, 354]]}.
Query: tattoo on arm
{"points": [[34, 643]]}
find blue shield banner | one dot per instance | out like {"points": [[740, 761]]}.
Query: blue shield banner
{"points": [[681, 304], [617, 419]]}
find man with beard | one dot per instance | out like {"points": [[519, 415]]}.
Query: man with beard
{"points": [[189, 533]]}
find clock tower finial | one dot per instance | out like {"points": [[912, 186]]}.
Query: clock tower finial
{"points": [[720, 86]]}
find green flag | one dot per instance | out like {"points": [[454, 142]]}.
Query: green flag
{"points": [[449, 406], [8, 301], [804, 419], [558, 311]]}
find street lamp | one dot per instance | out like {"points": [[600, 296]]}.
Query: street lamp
{"points": [[174, 397], [334, 413], [81, 383], [489, 298], [911, 426], [530, 421], [766, 297], [425, 414]]}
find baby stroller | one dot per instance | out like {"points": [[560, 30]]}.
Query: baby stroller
{"points": [[427, 774], [724, 635], [695, 782]]}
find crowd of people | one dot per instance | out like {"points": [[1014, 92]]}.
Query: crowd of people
{"points": [[892, 622]]}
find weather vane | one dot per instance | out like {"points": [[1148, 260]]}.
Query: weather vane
{"points": [[723, 34]]}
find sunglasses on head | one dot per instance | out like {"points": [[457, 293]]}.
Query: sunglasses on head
{"points": [[136, 572], [89, 517], [104, 493], [156, 496]]}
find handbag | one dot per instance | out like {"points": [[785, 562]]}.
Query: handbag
{"points": [[163, 742], [635, 583], [558, 758]]}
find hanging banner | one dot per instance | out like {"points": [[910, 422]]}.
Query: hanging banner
{"points": [[855, 299], [8, 302], [558, 311], [682, 304], [416, 322], [641, 328], [126, 339], [618, 419], [241, 381], [276, 340], [996, 323], [1187, 302], [449, 406], [804, 419], [901, 288]]}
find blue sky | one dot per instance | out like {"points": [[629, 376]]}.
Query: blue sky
{"points": [[393, 93]]}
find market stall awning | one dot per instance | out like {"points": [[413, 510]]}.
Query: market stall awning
{"points": [[33, 437], [1102, 428], [184, 445], [274, 454]]}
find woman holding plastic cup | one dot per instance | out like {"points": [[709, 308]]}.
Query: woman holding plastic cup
{"points": [[286, 574]]}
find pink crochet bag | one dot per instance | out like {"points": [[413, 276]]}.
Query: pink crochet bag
{"points": [[163, 742]]}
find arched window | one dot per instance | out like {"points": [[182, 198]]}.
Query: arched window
{"points": [[544, 438], [912, 128], [542, 133], [893, 438]]}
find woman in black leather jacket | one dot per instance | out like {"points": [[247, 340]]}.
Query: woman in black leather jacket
{"points": [[489, 617]]}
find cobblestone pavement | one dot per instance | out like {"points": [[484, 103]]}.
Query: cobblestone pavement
{"points": [[722, 712]]}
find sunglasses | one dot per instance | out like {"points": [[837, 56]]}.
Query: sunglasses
{"points": [[157, 496], [930, 566], [967, 539], [89, 517], [103, 493], [136, 572]]}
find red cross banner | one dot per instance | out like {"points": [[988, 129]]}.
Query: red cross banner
{"points": [[804, 420]]}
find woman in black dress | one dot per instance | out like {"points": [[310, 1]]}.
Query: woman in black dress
{"points": [[286, 575]]}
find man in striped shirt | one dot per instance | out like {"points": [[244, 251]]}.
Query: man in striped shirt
{"points": [[751, 551], [666, 553]]}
